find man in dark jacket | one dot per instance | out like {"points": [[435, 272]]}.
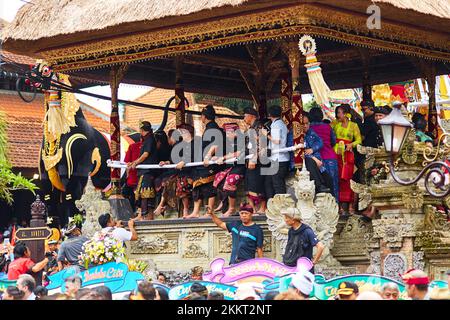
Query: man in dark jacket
{"points": [[301, 240]]}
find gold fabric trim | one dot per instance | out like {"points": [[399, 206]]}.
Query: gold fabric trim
{"points": [[144, 193], [297, 19], [203, 181], [51, 161]]}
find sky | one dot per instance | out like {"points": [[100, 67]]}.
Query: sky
{"points": [[8, 8]]}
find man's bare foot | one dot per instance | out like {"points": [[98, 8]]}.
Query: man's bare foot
{"points": [[185, 214], [160, 211], [219, 207], [228, 213], [192, 215]]}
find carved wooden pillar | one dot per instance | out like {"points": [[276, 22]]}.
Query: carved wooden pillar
{"points": [[293, 52], [428, 70], [261, 81], [286, 98], [179, 93], [433, 127], [37, 247], [116, 76], [366, 85]]}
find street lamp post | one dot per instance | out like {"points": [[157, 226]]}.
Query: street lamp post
{"points": [[395, 128]]}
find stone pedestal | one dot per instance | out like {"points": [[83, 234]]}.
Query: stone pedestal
{"points": [[407, 231], [93, 205]]}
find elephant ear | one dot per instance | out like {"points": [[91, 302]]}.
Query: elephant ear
{"points": [[275, 219]]}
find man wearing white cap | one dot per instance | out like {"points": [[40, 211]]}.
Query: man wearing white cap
{"points": [[302, 283], [301, 239], [246, 292]]}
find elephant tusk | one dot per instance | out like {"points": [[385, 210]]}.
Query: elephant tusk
{"points": [[69, 143], [97, 158], [55, 179]]}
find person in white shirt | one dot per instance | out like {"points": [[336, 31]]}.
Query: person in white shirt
{"points": [[275, 183], [108, 224]]}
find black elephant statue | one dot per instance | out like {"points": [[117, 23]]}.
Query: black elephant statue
{"points": [[72, 150]]}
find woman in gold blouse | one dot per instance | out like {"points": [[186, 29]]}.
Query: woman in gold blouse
{"points": [[348, 137]]}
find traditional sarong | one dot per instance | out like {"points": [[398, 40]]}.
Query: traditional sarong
{"points": [[203, 188], [184, 186], [254, 185], [146, 187], [231, 181], [346, 163]]}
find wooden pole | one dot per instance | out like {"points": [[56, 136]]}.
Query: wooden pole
{"points": [[433, 126], [293, 52], [366, 85], [37, 247], [116, 76], [286, 99], [179, 93]]}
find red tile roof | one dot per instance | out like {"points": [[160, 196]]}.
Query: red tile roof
{"points": [[159, 97], [25, 127], [17, 58]]}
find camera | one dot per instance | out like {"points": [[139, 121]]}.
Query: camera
{"points": [[49, 254], [266, 125]]}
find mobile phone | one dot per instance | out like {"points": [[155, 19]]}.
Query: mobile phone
{"points": [[6, 242]]}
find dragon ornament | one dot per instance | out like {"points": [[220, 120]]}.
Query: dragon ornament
{"points": [[319, 211]]}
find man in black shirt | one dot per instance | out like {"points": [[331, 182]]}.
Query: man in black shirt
{"points": [[254, 181], [369, 129], [213, 140], [227, 180], [247, 236], [370, 132], [301, 240], [146, 185]]}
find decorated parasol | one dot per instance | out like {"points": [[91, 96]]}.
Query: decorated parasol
{"points": [[319, 88]]}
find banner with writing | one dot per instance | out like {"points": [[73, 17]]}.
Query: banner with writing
{"points": [[181, 291], [327, 289], [254, 270], [6, 283], [113, 275]]}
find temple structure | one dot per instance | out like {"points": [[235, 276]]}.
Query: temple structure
{"points": [[249, 49]]}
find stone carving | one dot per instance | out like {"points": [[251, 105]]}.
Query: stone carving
{"points": [[354, 239], [194, 251], [155, 245], [225, 244], [413, 200], [375, 263], [369, 153], [267, 243], [365, 197], [409, 155], [418, 262], [93, 205], [195, 235], [321, 214], [434, 220], [395, 264], [392, 230], [447, 202]]}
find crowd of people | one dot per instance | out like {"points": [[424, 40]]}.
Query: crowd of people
{"points": [[330, 155], [301, 287]]}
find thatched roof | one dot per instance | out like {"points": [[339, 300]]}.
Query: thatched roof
{"points": [[88, 20]]}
